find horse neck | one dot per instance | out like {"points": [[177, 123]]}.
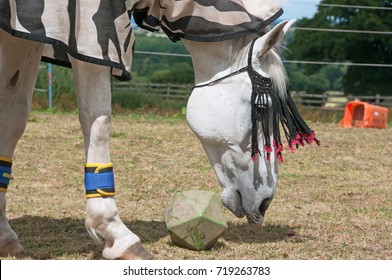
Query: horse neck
{"points": [[214, 60]]}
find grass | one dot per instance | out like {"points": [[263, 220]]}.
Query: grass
{"points": [[333, 201]]}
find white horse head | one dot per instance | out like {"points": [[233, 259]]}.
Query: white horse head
{"points": [[219, 113]]}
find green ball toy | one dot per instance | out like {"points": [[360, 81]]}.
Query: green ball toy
{"points": [[195, 219]]}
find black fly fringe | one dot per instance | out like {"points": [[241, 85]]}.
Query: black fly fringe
{"points": [[266, 103], [260, 112], [271, 111]]}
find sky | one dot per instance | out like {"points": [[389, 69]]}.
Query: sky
{"points": [[297, 9]]}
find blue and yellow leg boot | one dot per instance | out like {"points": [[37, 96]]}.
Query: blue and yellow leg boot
{"points": [[5, 173], [99, 180]]}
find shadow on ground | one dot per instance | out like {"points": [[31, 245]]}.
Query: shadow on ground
{"points": [[67, 238], [246, 233], [48, 238]]}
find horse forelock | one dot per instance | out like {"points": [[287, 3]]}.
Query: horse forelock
{"points": [[272, 60], [277, 72], [239, 50]]}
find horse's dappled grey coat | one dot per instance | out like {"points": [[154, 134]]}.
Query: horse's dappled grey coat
{"points": [[100, 31]]}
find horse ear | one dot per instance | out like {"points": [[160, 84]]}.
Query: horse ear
{"points": [[273, 37]]}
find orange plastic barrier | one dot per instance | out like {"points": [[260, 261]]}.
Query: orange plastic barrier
{"points": [[362, 114]]}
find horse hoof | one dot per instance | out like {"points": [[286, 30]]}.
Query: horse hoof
{"points": [[11, 249], [136, 252]]}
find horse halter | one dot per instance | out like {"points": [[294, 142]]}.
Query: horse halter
{"points": [[281, 112]]}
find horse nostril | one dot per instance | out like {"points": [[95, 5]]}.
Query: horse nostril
{"points": [[264, 205]]}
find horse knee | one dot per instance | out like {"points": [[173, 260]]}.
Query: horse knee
{"points": [[95, 122], [101, 128], [97, 130], [96, 133], [13, 117]]}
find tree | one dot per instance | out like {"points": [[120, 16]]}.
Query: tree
{"points": [[350, 47], [161, 68], [179, 73], [316, 83]]}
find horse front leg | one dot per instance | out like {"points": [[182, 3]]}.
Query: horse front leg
{"points": [[102, 218], [19, 62]]}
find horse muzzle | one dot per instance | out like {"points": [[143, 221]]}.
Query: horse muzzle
{"points": [[257, 216], [240, 206]]}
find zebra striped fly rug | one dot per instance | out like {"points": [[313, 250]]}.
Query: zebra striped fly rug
{"points": [[100, 31]]}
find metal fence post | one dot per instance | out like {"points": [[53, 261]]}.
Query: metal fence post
{"points": [[50, 85]]}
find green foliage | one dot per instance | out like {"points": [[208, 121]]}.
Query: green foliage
{"points": [[62, 81], [142, 102], [152, 68], [317, 82], [161, 68], [353, 47], [179, 73], [63, 85], [146, 68]]}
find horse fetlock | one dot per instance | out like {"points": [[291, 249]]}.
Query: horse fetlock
{"points": [[10, 247], [103, 222], [100, 212], [91, 229], [9, 242], [121, 243]]}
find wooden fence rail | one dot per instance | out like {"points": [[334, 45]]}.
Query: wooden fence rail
{"points": [[165, 91], [337, 100], [327, 101]]}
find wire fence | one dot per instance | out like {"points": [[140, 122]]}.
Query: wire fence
{"points": [[331, 100]]}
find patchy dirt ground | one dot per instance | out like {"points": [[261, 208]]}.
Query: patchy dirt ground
{"points": [[333, 201]]}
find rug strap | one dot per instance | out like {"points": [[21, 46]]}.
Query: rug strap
{"points": [[99, 180]]}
